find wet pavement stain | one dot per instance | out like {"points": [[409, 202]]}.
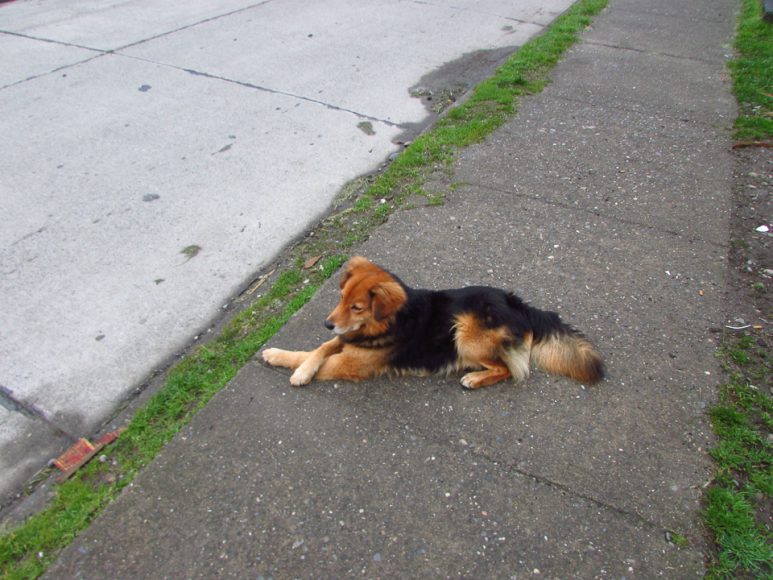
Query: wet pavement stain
{"points": [[191, 251], [366, 127]]}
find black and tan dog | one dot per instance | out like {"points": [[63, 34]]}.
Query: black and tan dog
{"points": [[383, 326]]}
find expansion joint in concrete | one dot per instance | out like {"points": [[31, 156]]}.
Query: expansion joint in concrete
{"points": [[15, 405], [299, 97], [273, 92], [53, 41], [98, 54], [194, 24]]}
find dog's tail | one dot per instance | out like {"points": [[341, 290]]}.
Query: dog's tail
{"points": [[563, 350]]}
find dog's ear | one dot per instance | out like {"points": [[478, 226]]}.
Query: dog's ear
{"points": [[387, 298], [353, 264]]}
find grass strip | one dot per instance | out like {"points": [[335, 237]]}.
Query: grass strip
{"points": [[26, 551], [739, 503], [752, 72]]}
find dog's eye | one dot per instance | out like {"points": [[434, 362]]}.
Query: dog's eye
{"points": [[356, 308]]}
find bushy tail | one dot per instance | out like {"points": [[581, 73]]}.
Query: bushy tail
{"points": [[567, 352]]}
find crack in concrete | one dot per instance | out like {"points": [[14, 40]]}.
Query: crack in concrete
{"points": [[597, 213], [631, 516], [656, 12], [651, 52]]}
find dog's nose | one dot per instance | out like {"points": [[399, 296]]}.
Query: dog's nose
{"points": [[329, 325]]}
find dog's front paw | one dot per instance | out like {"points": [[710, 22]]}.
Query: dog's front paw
{"points": [[301, 377], [274, 356], [468, 382], [475, 380]]}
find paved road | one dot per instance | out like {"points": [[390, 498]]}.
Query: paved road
{"points": [[156, 155]]}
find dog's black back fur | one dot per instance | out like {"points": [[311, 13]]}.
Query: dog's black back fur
{"points": [[424, 326]]}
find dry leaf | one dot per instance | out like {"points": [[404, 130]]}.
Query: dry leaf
{"points": [[311, 262]]}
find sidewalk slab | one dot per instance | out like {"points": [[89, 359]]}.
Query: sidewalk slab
{"points": [[640, 168], [687, 36], [654, 84], [709, 10]]}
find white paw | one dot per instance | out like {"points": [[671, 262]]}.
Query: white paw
{"points": [[271, 355], [301, 377], [467, 382]]}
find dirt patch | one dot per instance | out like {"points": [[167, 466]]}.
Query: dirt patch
{"points": [[450, 82], [751, 248]]}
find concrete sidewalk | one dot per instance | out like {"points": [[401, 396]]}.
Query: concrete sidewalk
{"points": [[607, 199]]}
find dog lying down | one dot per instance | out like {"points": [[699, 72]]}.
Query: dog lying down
{"points": [[382, 326]]}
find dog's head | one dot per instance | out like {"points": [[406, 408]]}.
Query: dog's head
{"points": [[370, 296]]}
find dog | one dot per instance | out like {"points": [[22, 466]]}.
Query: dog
{"points": [[382, 326]]}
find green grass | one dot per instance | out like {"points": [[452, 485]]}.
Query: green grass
{"points": [[739, 503], [27, 550], [752, 72]]}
